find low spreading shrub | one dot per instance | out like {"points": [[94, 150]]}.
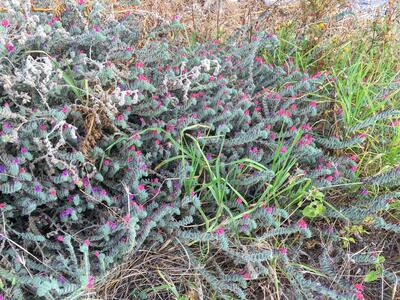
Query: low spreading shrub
{"points": [[108, 148]]}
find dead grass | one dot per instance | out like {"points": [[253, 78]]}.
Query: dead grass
{"points": [[168, 273], [150, 271], [321, 22]]}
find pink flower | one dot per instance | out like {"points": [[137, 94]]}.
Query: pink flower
{"points": [[246, 216], [281, 112], [2, 205], [239, 200], [106, 162], [127, 14], [37, 188], [259, 59], [220, 230], [212, 78], [293, 128], [176, 18], [353, 168], [294, 106], [139, 64], [67, 212], [96, 253], [283, 149], [269, 210], [313, 104], [96, 28], [354, 157], [140, 187], [5, 23], [246, 276], [209, 156], [90, 282], [86, 182], [10, 46], [112, 225], [81, 2], [53, 192], [60, 238], [329, 178], [302, 224], [241, 166], [283, 250], [359, 296], [396, 123], [86, 243], [306, 127], [359, 286], [246, 112], [24, 150], [120, 117], [142, 77], [254, 150], [127, 218]]}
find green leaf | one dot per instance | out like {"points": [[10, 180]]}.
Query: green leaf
{"points": [[380, 259], [314, 209], [371, 276]]}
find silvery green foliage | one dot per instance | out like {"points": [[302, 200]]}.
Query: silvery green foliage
{"points": [[87, 117]]}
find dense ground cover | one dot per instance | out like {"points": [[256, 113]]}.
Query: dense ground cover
{"points": [[168, 165]]}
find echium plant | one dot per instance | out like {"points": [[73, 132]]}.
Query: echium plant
{"points": [[95, 133]]}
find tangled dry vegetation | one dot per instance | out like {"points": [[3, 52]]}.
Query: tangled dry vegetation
{"points": [[210, 19], [327, 23]]}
